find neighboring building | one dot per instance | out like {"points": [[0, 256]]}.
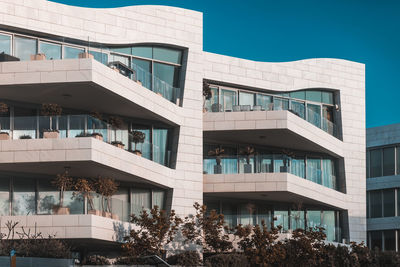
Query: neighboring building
{"points": [[302, 122], [383, 183]]}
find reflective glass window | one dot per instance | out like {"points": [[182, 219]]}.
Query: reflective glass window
{"points": [[75, 202], [328, 222], [166, 73], [146, 146], [390, 240], [281, 103], [298, 108], [314, 114], [72, 52], [328, 173], [158, 198], [298, 167], [160, 141], [246, 99], [314, 96], [4, 195], [376, 239], [265, 101], [48, 196], [25, 48], [247, 214], [25, 122], [389, 202], [213, 100], [375, 203], [314, 170], [143, 71], [120, 204], [123, 50], [367, 165], [314, 218], [281, 219], [141, 199], [228, 99], [298, 95], [5, 44], [52, 51], [327, 98], [388, 161], [297, 219], [375, 159], [101, 57], [167, 55], [23, 196], [142, 51]]}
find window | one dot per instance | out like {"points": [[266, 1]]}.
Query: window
{"points": [[25, 48], [314, 114], [265, 102], [327, 98], [313, 218], [298, 95], [246, 99], [5, 44], [367, 165], [297, 219], [23, 196], [314, 96], [298, 108], [281, 103], [141, 199], [48, 197], [375, 203], [4, 195], [376, 239], [390, 239], [228, 99], [388, 161], [398, 159], [166, 73], [389, 203], [328, 174], [101, 57], [282, 219], [25, 122], [375, 163], [142, 51], [72, 52], [143, 71], [167, 55], [314, 170], [328, 222], [52, 51], [160, 142]]}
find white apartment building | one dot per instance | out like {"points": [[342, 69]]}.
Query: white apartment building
{"points": [[293, 133]]}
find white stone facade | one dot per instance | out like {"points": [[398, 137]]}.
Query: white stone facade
{"points": [[182, 28]]}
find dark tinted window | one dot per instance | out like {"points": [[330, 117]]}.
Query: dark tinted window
{"points": [[388, 203], [376, 203], [376, 239], [375, 160], [388, 161], [390, 239]]}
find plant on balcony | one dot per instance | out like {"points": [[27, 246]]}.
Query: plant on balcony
{"points": [[51, 110], [248, 152], [138, 137], [3, 113], [217, 153], [25, 136], [63, 182], [207, 94], [106, 187], [84, 189], [83, 134], [98, 117], [118, 144]]}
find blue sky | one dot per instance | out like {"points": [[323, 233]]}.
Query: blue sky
{"points": [[366, 31]]}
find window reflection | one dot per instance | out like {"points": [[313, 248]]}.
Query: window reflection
{"points": [[25, 48], [52, 51], [5, 44]]}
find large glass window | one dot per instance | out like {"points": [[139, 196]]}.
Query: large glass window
{"points": [[142, 51], [25, 122], [52, 51], [143, 72], [72, 52], [314, 96], [389, 202], [376, 239], [160, 139], [375, 203], [314, 170], [4, 195], [246, 99], [167, 73], [375, 163], [388, 161], [298, 167], [297, 219], [265, 102], [314, 218], [48, 197], [24, 196], [247, 214], [141, 199], [298, 108], [74, 202], [328, 221], [282, 219], [390, 239], [5, 44], [101, 57], [167, 55], [281, 103], [314, 114], [25, 48], [120, 204], [327, 98], [328, 174], [228, 99], [298, 95]]}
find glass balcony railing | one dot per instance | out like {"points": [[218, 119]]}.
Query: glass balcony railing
{"points": [[72, 126], [317, 170], [306, 112]]}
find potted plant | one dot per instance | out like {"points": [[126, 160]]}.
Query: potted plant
{"points": [[85, 55], [3, 113], [118, 144], [38, 56], [248, 151], [116, 123], [217, 153], [138, 137], [51, 110], [63, 182], [84, 189], [97, 117], [206, 94], [25, 136], [107, 187], [83, 134]]}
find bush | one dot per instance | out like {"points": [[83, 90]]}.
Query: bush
{"points": [[228, 260], [96, 260], [187, 258]]}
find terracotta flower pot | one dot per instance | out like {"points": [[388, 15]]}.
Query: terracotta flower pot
{"points": [[4, 136], [137, 152], [62, 210], [115, 216], [51, 134], [39, 56], [97, 136], [106, 214], [85, 55], [95, 212]]}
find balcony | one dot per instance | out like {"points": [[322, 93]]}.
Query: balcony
{"points": [[315, 169], [76, 126]]}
